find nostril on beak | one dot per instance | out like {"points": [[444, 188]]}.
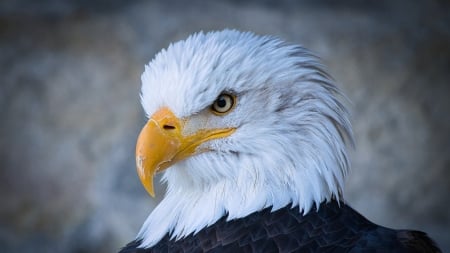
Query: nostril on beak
{"points": [[168, 127]]}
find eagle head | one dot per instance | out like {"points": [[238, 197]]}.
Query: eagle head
{"points": [[237, 123]]}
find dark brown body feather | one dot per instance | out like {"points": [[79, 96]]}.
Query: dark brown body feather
{"points": [[335, 227]]}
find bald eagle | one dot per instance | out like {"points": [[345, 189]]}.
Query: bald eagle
{"points": [[251, 136]]}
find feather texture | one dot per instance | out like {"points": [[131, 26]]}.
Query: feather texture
{"points": [[334, 227]]}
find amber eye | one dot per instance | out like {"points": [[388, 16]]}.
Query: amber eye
{"points": [[223, 104]]}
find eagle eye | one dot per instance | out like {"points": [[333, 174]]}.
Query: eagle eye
{"points": [[223, 104]]}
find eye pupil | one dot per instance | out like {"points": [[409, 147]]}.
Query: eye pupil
{"points": [[221, 102]]}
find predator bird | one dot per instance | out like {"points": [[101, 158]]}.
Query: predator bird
{"points": [[251, 136]]}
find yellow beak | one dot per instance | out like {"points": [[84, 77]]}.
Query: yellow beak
{"points": [[161, 144]]}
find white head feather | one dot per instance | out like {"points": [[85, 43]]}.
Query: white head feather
{"points": [[291, 130]]}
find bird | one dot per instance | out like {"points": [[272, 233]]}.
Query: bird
{"points": [[252, 138]]}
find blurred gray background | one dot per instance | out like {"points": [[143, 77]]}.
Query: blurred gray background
{"points": [[70, 113]]}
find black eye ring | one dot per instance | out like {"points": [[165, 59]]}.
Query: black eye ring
{"points": [[223, 104]]}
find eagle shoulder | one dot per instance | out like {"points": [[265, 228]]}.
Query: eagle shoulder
{"points": [[332, 227]]}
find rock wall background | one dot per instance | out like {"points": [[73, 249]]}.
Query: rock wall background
{"points": [[70, 113]]}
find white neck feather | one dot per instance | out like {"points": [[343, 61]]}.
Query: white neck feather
{"points": [[189, 205]]}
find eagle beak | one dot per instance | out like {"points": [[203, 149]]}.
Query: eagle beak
{"points": [[162, 143]]}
